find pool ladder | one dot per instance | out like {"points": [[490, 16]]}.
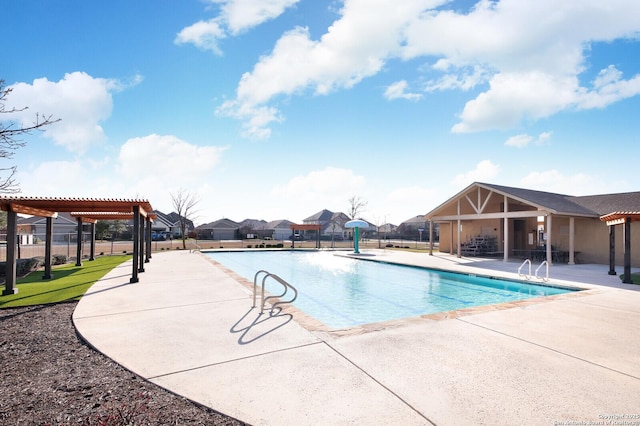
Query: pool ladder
{"points": [[528, 276], [285, 284]]}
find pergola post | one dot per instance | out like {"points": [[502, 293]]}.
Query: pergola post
{"points": [[141, 242], [136, 237], [148, 239], [47, 249], [612, 250], [92, 253], [627, 251], [12, 236], [79, 242]]}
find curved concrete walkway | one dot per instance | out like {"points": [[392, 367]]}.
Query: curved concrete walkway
{"points": [[188, 326]]}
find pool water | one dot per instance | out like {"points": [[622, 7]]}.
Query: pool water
{"points": [[345, 292]]}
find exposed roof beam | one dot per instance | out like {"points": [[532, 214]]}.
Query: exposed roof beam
{"points": [[19, 208]]}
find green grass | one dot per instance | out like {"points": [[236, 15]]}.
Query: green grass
{"points": [[635, 278], [69, 282]]}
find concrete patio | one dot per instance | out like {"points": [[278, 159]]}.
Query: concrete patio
{"points": [[189, 326]]}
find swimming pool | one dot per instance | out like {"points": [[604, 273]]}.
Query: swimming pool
{"points": [[345, 292]]}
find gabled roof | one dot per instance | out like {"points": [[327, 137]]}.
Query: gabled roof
{"points": [[253, 223], [419, 219], [321, 216], [557, 203], [221, 224], [282, 223], [562, 204]]}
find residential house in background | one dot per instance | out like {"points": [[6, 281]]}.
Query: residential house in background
{"points": [[252, 228], [278, 229], [416, 228], [332, 224], [169, 225], [222, 229], [34, 229]]}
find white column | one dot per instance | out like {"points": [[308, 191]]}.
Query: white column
{"points": [[549, 260], [571, 240], [505, 231], [459, 232]]}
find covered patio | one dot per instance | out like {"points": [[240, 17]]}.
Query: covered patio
{"points": [[84, 210]]}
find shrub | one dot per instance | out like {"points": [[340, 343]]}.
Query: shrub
{"points": [[279, 245], [248, 245], [59, 259]]}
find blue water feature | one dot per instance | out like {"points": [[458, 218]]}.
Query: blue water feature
{"points": [[344, 292]]}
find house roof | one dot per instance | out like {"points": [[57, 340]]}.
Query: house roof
{"points": [[223, 223], [587, 206], [282, 223], [321, 216]]}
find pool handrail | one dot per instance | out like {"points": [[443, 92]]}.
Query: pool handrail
{"points": [[538, 268], [521, 266], [285, 284]]}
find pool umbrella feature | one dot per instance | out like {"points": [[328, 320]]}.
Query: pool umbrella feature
{"points": [[357, 224]]}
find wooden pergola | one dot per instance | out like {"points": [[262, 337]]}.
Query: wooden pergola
{"points": [[620, 218], [307, 227], [85, 210]]}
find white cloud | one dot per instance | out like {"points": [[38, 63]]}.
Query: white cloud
{"points": [[398, 90], [519, 141], [203, 34], [555, 181], [81, 101], [166, 161], [353, 48], [531, 59], [484, 171], [523, 140], [330, 186], [244, 14], [609, 87], [235, 17]]}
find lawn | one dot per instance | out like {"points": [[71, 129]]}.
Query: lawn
{"points": [[635, 278], [69, 282]]}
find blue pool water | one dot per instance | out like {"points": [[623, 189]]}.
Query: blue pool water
{"points": [[344, 292]]}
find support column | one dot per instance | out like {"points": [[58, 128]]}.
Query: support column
{"points": [[141, 243], [136, 247], [459, 232], [48, 244], [612, 250], [505, 229], [92, 252], [12, 237], [627, 251], [148, 239], [79, 243], [430, 237], [572, 241], [549, 253]]}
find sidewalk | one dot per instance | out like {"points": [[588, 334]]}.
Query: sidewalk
{"points": [[189, 327]]}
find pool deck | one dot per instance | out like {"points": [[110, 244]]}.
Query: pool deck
{"points": [[189, 326]]}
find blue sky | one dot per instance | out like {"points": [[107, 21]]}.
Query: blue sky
{"points": [[277, 109]]}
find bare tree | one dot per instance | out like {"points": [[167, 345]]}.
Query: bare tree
{"points": [[356, 207], [184, 203], [9, 138]]}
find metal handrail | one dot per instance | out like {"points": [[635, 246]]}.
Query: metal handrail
{"points": [[538, 268], [521, 266], [285, 284]]}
